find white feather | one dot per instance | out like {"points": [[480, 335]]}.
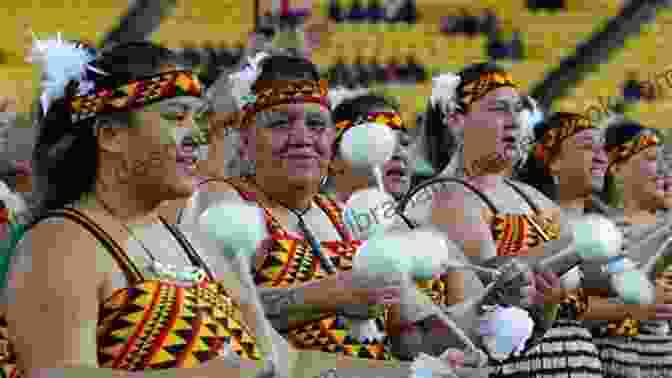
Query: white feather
{"points": [[338, 95], [243, 80], [61, 62], [444, 92]]}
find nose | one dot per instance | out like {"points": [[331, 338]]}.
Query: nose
{"points": [[600, 155], [300, 133]]}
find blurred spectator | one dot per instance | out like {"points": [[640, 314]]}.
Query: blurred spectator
{"points": [[408, 12], [377, 70], [632, 90], [375, 12], [357, 12], [224, 56], [361, 73], [412, 71], [339, 74], [498, 48], [488, 22], [335, 11], [517, 47], [466, 23], [546, 5], [190, 54]]}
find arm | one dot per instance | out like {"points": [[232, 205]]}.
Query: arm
{"points": [[53, 305]]}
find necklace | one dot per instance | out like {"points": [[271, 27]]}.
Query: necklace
{"points": [[162, 271], [316, 248]]}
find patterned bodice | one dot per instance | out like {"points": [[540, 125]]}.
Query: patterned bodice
{"points": [[289, 261], [157, 324]]}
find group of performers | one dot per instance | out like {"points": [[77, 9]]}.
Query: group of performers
{"points": [[99, 280]]}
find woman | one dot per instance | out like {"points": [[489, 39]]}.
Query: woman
{"points": [[397, 171], [84, 272], [289, 135], [488, 215], [566, 160], [634, 185]]}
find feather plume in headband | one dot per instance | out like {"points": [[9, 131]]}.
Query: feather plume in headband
{"points": [[339, 95], [444, 93], [243, 80], [61, 62], [642, 138]]}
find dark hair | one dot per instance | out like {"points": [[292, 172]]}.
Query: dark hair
{"points": [[61, 145], [356, 107], [285, 67], [534, 172], [439, 141], [619, 133]]}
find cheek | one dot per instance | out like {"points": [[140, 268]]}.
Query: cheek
{"points": [[648, 168]]}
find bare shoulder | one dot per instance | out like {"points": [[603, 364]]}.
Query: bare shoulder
{"points": [[57, 257]]}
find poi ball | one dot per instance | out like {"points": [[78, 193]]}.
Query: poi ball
{"points": [[633, 287], [383, 255], [596, 237], [507, 329], [368, 145], [369, 212], [238, 226], [429, 253]]}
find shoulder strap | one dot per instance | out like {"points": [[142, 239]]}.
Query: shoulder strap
{"points": [[130, 270], [525, 196], [188, 248], [472, 188]]}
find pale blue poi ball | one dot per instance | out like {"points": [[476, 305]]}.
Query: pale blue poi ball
{"points": [[597, 237], [239, 227], [420, 253], [368, 145]]}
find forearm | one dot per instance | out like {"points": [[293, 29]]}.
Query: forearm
{"points": [[601, 309]]}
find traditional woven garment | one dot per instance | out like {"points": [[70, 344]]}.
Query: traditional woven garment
{"points": [[566, 350], [648, 352], [156, 324], [289, 261]]}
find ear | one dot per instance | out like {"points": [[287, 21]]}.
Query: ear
{"points": [[111, 139]]}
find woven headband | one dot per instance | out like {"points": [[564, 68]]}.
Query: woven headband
{"points": [[136, 94], [487, 82], [645, 139], [390, 119], [550, 143], [269, 93]]}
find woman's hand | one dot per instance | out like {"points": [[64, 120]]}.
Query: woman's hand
{"points": [[547, 288], [664, 288]]}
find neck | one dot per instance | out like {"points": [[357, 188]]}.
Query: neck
{"points": [[638, 211], [570, 198], [294, 196], [121, 200]]}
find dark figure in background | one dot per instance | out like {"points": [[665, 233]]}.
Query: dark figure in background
{"points": [[335, 11], [377, 71], [498, 48], [632, 90], [412, 71], [361, 72], [339, 74], [375, 12], [517, 48], [357, 12], [554, 5], [489, 22]]}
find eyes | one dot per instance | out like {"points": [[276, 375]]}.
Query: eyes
{"points": [[313, 123]]}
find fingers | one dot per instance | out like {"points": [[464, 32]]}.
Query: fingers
{"points": [[663, 312], [455, 358], [390, 295]]}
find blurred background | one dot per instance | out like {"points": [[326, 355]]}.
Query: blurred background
{"points": [[569, 54]]}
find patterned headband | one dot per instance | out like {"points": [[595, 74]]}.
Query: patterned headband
{"points": [[390, 119], [487, 82], [136, 94], [549, 146], [269, 93], [643, 140]]}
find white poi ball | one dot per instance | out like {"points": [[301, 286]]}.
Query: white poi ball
{"points": [[368, 212], [429, 253], [368, 145], [239, 227], [596, 237]]}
